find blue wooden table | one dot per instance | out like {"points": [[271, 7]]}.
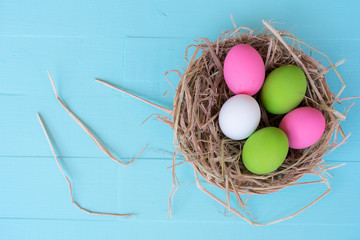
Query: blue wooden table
{"points": [[132, 44]]}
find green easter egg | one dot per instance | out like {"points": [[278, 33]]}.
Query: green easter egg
{"points": [[283, 89], [265, 150]]}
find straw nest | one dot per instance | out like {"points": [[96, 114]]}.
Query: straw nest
{"points": [[201, 93]]}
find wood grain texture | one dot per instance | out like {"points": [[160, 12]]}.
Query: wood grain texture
{"points": [[132, 44]]}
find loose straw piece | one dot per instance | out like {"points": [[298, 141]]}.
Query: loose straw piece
{"points": [[198, 184], [87, 130], [68, 180], [164, 109], [175, 184]]}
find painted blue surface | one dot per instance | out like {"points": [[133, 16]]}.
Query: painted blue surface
{"points": [[132, 44]]}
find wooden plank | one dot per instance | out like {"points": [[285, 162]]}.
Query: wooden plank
{"points": [[74, 230], [34, 188]]}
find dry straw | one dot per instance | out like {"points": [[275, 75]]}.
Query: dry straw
{"points": [[202, 91], [96, 141]]}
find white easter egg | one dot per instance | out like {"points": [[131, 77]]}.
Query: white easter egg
{"points": [[239, 117]]}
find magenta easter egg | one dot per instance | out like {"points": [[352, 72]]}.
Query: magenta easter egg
{"points": [[244, 70], [303, 126]]}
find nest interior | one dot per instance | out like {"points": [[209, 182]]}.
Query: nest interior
{"points": [[202, 91]]}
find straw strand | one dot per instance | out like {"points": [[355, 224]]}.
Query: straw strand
{"points": [[68, 180]]}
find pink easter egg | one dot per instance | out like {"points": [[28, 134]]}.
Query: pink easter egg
{"points": [[244, 70], [303, 126]]}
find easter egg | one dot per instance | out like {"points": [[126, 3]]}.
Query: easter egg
{"points": [[244, 70], [303, 126], [284, 89], [239, 116], [265, 150]]}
